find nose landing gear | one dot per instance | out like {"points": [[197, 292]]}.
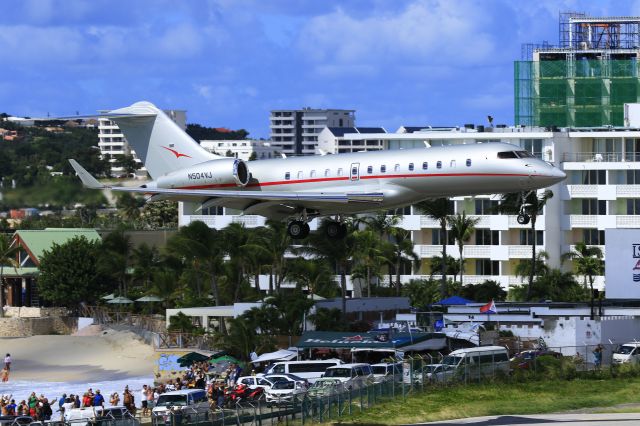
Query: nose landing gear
{"points": [[523, 218]]}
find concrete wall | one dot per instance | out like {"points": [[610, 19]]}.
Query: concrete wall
{"points": [[25, 327], [29, 312]]}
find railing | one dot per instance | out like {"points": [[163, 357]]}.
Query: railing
{"points": [[106, 316], [597, 157]]}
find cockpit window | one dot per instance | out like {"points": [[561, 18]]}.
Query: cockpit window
{"points": [[507, 154], [524, 154]]}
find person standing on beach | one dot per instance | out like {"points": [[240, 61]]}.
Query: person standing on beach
{"points": [[115, 399], [7, 362], [5, 375], [143, 400]]}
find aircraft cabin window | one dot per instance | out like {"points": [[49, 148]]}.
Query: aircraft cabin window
{"points": [[410, 167], [396, 168], [300, 174], [383, 168], [468, 162], [452, 164], [340, 172], [354, 171], [369, 169], [438, 164], [507, 154], [287, 176], [312, 173], [425, 165], [326, 172]]}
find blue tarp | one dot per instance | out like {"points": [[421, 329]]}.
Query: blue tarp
{"points": [[454, 300]]}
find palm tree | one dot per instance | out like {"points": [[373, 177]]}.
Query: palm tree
{"points": [[588, 263], [115, 258], [401, 247], [368, 255], [462, 227], [277, 242], [256, 252], [145, 261], [523, 268], [534, 202], [8, 255], [439, 210], [337, 252], [314, 275]]}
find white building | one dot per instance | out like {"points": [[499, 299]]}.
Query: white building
{"points": [[242, 149], [112, 142], [295, 132], [602, 190]]}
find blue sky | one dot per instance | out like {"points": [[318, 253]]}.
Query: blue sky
{"points": [[229, 62]]}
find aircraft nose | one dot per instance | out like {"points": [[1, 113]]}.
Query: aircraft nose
{"points": [[558, 175]]}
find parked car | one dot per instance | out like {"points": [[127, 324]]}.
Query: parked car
{"points": [[255, 382], [15, 420], [190, 403], [352, 376], [284, 391], [116, 416], [627, 353], [524, 360], [386, 371], [310, 370], [288, 377], [325, 386]]}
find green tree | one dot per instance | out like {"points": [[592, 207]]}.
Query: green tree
{"points": [[452, 266], [115, 258], [487, 290], [587, 261], [401, 247], [368, 257], [8, 255], [160, 214], [534, 202], [422, 292], [439, 210], [555, 285], [146, 260], [69, 273], [462, 227], [243, 338], [325, 319], [314, 275], [523, 267], [129, 206], [128, 164]]}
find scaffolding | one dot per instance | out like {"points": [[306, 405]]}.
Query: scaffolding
{"points": [[585, 80]]}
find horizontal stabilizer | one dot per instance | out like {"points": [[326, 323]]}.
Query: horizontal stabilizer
{"points": [[86, 178]]}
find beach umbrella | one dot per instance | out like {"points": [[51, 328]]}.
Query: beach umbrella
{"points": [[188, 359], [120, 300], [224, 360], [150, 299], [108, 296]]}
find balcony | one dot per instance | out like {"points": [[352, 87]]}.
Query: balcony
{"points": [[598, 157], [219, 222], [624, 191], [582, 191], [627, 221], [583, 221]]}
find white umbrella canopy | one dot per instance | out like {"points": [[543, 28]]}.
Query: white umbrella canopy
{"points": [[108, 297], [150, 299], [120, 300]]}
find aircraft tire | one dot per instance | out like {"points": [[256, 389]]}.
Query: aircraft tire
{"points": [[334, 230], [523, 219], [298, 230]]}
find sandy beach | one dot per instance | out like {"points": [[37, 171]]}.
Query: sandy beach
{"points": [[91, 355]]}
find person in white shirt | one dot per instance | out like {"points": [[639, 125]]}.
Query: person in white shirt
{"points": [[7, 362]]}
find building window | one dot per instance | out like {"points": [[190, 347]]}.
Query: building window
{"points": [[487, 237], [526, 240], [593, 237], [410, 167], [438, 164], [487, 267], [633, 206], [369, 170], [534, 146], [594, 177], [213, 211], [436, 240], [383, 168], [594, 207], [425, 165], [468, 162], [633, 177], [486, 206], [287, 176]]}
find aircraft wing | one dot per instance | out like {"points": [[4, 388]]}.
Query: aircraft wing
{"points": [[255, 196]]}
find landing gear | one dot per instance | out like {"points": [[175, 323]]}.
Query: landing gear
{"points": [[336, 230], [523, 217], [298, 230]]}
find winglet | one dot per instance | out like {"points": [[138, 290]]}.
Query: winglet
{"points": [[86, 178]]}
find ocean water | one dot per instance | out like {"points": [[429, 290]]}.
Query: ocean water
{"points": [[20, 390]]}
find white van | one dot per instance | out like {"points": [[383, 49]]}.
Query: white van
{"points": [[473, 363], [190, 403], [627, 353], [353, 376], [310, 369]]}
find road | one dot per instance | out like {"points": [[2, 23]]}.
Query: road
{"points": [[546, 419]]}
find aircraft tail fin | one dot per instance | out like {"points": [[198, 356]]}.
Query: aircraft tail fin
{"points": [[157, 140]]}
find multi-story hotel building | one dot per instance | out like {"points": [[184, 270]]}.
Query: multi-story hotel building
{"points": [[295, 131], [112, 142]]}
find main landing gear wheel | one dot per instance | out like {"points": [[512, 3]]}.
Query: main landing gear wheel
{"points": [[298, 230], [336, 230], [523, 219]]}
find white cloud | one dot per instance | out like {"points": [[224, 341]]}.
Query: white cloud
{"points": [[426, 31], [25, 43]]}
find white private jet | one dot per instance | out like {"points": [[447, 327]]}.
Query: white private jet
{"points": [[301, 188]]}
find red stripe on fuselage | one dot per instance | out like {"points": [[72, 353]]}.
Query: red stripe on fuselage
{"points": [[346, 178]]}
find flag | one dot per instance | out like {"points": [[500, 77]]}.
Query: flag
{"points": [[489, 308]]}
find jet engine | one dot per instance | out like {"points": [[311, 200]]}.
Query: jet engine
{"points": [[221, 173]]}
